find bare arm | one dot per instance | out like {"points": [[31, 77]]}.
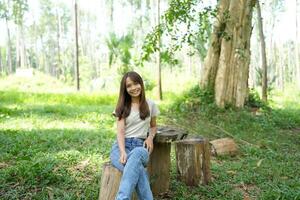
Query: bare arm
{"points": [[121, 140], [149, 140], [153, 127]]}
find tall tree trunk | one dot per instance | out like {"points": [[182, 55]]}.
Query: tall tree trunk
{"points": [[111, 15], [9, 62], [297, 48], [263, 54], [18, 59], [23, 57], [76, 48], [226, 67], [281, 76], [58, 31], [158, 56], [1, 65]]}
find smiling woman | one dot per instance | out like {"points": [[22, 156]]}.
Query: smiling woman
{"points": [[130, 153]]}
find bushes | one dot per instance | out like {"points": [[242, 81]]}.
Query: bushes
{"points": [[193, 100]]}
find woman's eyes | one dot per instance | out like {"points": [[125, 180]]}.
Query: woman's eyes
{"points": [[129, 85]]}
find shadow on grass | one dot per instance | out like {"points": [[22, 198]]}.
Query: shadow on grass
{"points": [[59, 111], [59, 162], [17, 97]]}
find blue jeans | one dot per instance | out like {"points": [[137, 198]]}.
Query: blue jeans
{"points": [[134, 172]]}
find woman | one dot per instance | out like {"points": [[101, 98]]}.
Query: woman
{"points": [[130, 154]]}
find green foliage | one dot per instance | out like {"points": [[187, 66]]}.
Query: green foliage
{"points": [[181, 13], [149, 84], [254, 99], [193, 100], [19, 7], [120, 48], [4, 10]]}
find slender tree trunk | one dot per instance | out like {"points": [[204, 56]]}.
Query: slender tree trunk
{"points": [[111, 15], [158, 56], [263, 54], [282, 65], [1, 65], [281, 75], [58, 65], [76, 48], [41, 63], [37, 54], [297, 48], [23, 48], [9, 62], [18, 63], [277, 70], [226, 67]]}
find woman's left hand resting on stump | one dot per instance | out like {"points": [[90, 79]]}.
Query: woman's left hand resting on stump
{"points": [[149, 141], [149, 144]]}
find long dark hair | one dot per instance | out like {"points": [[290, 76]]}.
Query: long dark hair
{"points": [[124, 102]]}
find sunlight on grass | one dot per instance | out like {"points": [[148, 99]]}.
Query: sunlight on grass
{"points": [[55, 144]]}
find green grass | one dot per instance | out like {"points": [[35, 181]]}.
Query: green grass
{"points": [[52, 146], [267, 165]]}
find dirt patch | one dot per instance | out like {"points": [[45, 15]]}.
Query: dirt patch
{"points": [[249, 191], [3, 165], [296, 130]]}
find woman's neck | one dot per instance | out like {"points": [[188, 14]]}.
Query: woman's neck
{"points": [[135, 100]]}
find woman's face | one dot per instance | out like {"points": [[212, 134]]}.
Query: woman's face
{"points": [[134, 89]]}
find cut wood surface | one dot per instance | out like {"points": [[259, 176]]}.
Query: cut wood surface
{"points": [[223, 146], [169, 134]]}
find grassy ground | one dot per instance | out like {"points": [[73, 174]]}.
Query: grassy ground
{"points": [[267, 165], [52, 146]]}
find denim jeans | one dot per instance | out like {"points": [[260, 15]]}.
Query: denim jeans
{"points": [[134, 175]]}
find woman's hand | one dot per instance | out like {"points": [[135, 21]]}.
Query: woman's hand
{"points": [[123, 157], [149, 144]]}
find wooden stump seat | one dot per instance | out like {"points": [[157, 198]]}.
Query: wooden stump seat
{"points": [[193, 161], [110, 182], [193, 164]]}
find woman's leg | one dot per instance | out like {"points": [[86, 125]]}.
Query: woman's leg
{"points": [[115, 157], [133, 171], [143, 186]]}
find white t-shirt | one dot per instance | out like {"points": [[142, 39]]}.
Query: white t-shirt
{"points": [[135, 126]]}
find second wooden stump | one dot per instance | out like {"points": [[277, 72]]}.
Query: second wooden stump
{"points": [[193, 161]]}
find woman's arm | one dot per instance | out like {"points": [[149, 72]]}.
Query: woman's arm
{"points": [[149, 140], [121, 140], [153, 127]]}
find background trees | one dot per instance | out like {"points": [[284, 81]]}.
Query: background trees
{"points": [[115, 36]]}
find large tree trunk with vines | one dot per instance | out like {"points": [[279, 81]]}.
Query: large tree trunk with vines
{"points": [[226, 66]]}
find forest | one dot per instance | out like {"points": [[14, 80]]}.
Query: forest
{"points": [[215, 68]]}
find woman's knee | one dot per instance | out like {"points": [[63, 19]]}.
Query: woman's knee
{"points": [[142, 153]]}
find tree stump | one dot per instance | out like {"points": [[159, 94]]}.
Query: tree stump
{"points": [[159, 166], [223, 146], [193, 161], [160, 160], [110, 181]]}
